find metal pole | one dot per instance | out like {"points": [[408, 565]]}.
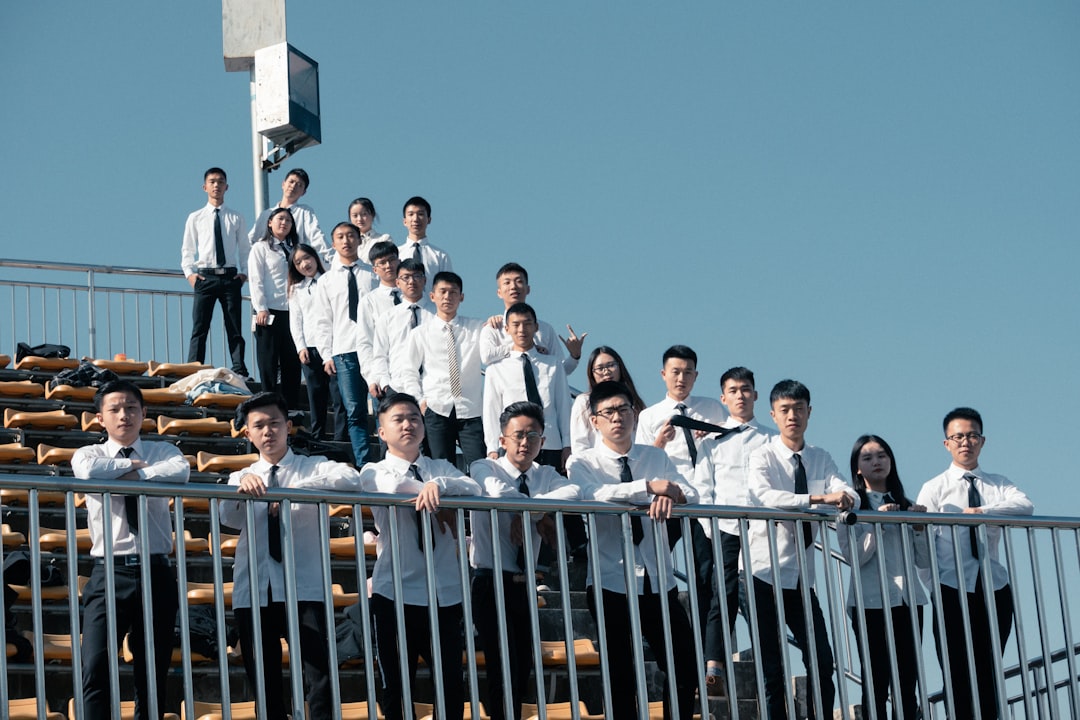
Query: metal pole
{"points": [[259, 175]]}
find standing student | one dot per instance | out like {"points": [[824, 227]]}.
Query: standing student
{"points": [[604, 365], [383, 298], [390, 343], [416, 218], [362, 214], [966, 488], [720, 478], [442, 367], [404, 471], [514, 476], [787, 473], [274, 348], [267, 426], [618, 470], [338, 331], [214, 259], [873, 470], [528, 375], [124, 456], [293, 187]]}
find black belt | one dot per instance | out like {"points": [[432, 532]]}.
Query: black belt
{"points": [[216, 270], [134, 560], [508, 576]]}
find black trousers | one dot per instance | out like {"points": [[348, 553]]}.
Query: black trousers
{"points": [[418, 642], [619, 639], [129, 615], [953, 643], [316, 661], [223, 289], [907, 645], [771, 633], [445, 433], [323, 400], [519, 641], [274, 353], [716, 634]]}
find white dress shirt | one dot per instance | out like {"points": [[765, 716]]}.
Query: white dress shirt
{"points": [[504, 383], [859, 544], [367, 241], [268, 265], [771, 480], [376, 303], [294, 471], [497, 344], [307, 229], [427, 351], [102, 462], [653, 418], [390, 344], [335, 333], [582, 433], [723, 464], [391, 475], [948, 493], [435, 259], [597, 472], [199, 249], [302, 313], [499, 479]]}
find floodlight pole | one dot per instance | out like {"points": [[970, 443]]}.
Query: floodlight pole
{"points": [[260, 175]]}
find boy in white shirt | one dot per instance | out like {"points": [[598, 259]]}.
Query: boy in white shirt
{"points": [[390, 343], [293, 187], [416, 216]]}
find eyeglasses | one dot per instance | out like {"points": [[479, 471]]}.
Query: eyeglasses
{"points": [[605, 368], [973, 438], [529, 437], [386, 262], [407, 278], [609, 413]]}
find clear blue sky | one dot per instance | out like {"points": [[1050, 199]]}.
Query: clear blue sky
{"points": [[881, 200]]}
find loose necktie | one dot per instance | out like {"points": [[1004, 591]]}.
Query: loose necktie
{"points": [[532, 393], [273, 522], [974, 500], [415, 310], [397, 296], [418, 256], [801, 488], [625, 476], [691, 446], [523, 488], [452, 364], [219, 240], [354, 292], [685, 421], [131, 502], [415, 472]]}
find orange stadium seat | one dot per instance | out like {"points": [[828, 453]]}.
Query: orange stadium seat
{"points": [[33, 362], [200, 593], [11, 539], [21, 389], [127, 711], [122, 367], [163, 396], [50, 498], [50, 455], [56, 540], [559, 711], [157, 369], [554, 652], [16, 453], [54, 593], [5, 360], [68, 392], [47, 420], [209, 462], [194, 426], [224, 401], [177, 654], [26, 709], [213, 711]]}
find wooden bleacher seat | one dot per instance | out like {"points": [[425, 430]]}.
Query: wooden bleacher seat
{"points": [[16, 454], [21, 498], [11, 539], [177, 655], [47, 420], [33, 362], [163, 396], [344, 548], [198, 504], [202, 593], [343, 599], [194, 426], [21, 389], [192, 544], [560, 711], [122, 367], [212, 711], [209, 462], [52, 455], [227, 544], [90, 423], [5, 360], [26, 709], [223, 401], [55, 593], [55, 647], [53, 540], [346, 511], [156, 369], [127, 711], [554, 653], [68, 392]]}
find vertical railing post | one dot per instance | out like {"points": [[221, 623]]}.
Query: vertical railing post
{"points": [[91, 321]]}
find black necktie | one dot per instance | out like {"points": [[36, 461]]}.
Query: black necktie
{"points": [[415, 472], [685, 421], [418, 256], [532, 393], [131, 502], [691, 446], [974, 500], [801, 488], [415, 310], [219, 240], [354, 292], [523, 488], [397, 296], [273, 522], [626, 476]]}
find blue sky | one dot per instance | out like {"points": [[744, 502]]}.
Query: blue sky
{"points": [[880, 200]]}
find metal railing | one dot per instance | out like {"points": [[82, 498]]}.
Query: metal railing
{"points": [[1037, 674]]}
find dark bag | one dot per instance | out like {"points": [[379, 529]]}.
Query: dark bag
{"points": [[203, 630], [45, 350], [86, 375], [350, 635]]}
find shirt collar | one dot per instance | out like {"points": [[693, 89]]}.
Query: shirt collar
{"points": [[955, 472], [512, 470], [114, 447], [606, 451], [399, 464]]}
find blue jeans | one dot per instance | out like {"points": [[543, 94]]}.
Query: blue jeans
{"points": [[354, 392]]}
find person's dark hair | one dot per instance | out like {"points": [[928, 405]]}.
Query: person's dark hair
{"points": [[382, 249], [513, 267], [397, 398], [292, 238], [412, 265], [524, 408], [367, 204], [605, 391], [214, 171], [346, 224], [789, 390], [738, 373], [295, 276], [258, 402], [419, 202], [115, 386], [963, 413], [892, 482], [521, 308], [682, 352], [448, 277], [302, 174], [624, 375]]}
